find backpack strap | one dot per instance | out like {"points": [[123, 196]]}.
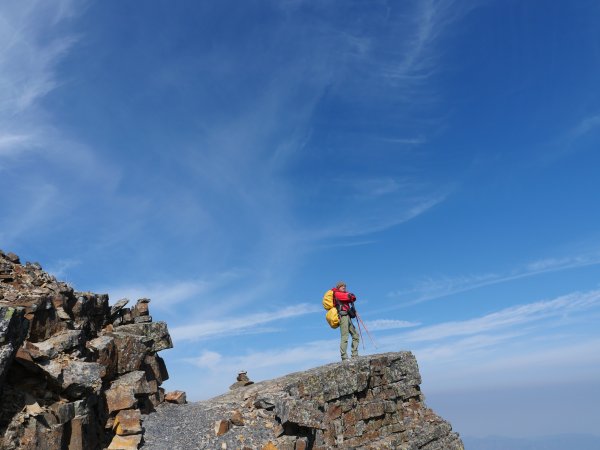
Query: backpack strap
{"points": [[336, 302]]}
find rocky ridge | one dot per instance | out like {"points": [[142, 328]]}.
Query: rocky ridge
{"points": [[370, 402], [75, 373]]}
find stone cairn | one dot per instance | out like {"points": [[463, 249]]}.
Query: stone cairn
{"points": [[75, 373]]}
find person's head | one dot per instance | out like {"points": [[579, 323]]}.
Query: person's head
{"points": [[341, 286]]}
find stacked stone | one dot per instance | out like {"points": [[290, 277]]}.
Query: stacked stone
{"points": [[74, 372], [371, 402]]}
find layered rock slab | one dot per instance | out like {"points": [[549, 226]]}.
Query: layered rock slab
{"points": [[371, 402], [74, 372]]}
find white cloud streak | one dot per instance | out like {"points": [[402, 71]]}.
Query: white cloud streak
{"points": [[231, 325], [431, 289], [449, 368], [483, 351], [364, 222], [27, 60], [40, 164], [509, 317], [586, 126], [389, 324]]}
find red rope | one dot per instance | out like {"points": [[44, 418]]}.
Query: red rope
{"points": [[366, 329]]}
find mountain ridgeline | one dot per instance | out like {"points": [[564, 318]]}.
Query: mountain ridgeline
{"points": [[76, 373]]}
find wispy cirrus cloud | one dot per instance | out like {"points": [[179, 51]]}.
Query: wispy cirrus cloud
{"points": [[12, 144], [434, 288], [367, 218], [551, 340], [30, 51], [577, 137], [240, 324], [406, 141], [509, 317], [390, 324], [166, 296], [47, 172], [486, 350], [431, 19], [585, 126]]}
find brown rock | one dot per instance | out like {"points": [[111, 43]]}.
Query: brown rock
{"points": [[269, 446], [76, 440], [128, 422], [131, 351], [221, 427], [123, 391], [105, 353], [372, 409], [118, 306], [237, 418], [301, 444], [120, 397], [334, 412], [177, 397], [141, 307], [158, 398], [13, 258], [130, 442], [155, 367]]}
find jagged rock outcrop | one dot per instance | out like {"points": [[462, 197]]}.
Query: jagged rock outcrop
{"points": [[371, 402], [74, 372]]}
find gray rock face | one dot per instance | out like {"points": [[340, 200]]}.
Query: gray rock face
{"points": [[371, 402], [155, 334], [60, 343]]}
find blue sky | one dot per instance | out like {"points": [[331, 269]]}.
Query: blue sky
{"points": [[233, 160]]}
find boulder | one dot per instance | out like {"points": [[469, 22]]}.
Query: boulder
{"points": [[105, 352], [130, 442], [141, 308], [128, 422], [155, 334], [177, 397], [221, 427], [59, 343], [131, 350], [124, 391], [80, 378], [118, 306], [155, 368]]}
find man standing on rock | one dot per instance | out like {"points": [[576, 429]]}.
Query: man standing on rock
{"points": [[344, 302]]}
